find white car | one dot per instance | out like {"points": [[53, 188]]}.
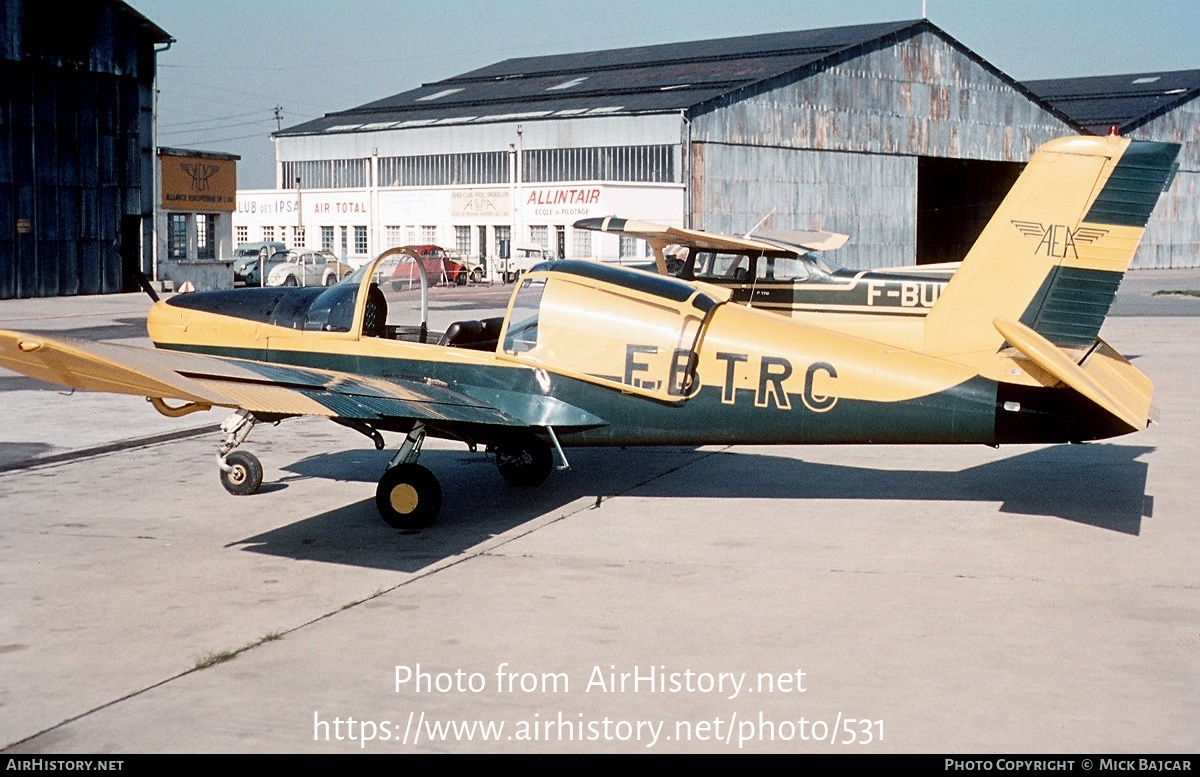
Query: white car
{"points": [[524, 256], [308, 268]]}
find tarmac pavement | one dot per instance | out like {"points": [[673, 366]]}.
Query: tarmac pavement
{"points": [[1039, 599]]}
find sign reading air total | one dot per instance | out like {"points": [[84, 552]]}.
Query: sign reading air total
{"points": [[197, 183]]}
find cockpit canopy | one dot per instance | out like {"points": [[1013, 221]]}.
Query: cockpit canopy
{"points": [[637, 330]]}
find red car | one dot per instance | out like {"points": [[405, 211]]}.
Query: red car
{"points": [[439, 267]]}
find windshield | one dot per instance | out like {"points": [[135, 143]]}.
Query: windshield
{"points": [[522, 331]]}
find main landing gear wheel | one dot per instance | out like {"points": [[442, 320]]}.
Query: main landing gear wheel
{"points": [[245, 474], [408, 497], [524, 464]]}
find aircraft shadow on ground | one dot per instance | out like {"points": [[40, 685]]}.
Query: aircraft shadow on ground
{"points": [[1095, 485]]}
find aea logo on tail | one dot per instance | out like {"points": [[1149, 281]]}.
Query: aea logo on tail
{"points": [[1058, 240]]}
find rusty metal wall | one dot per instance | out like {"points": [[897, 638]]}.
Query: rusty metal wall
{"points": [[871, 197], [838, 149]]}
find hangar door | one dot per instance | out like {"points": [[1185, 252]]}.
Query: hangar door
{"points": [[955, 200]]}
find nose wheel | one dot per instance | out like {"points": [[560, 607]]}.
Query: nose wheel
{"points": [[245, 474], [241, 472]]}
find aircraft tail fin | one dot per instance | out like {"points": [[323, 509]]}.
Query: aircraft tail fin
{"points": [[1054, 253]]}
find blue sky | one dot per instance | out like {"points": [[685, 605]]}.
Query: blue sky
{"points": [[235, 60]]}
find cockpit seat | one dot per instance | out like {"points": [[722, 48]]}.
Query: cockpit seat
{"points": [[475, 335], [375, 313]]}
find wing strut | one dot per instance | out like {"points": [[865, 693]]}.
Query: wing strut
{"points": [[554, 439]]}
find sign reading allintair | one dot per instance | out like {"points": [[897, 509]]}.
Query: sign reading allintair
{"points": [[198, 183]]}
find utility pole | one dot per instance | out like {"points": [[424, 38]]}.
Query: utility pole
{"points": [[278, 117]]}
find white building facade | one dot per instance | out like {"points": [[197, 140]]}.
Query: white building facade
{"points": [[473, 188]]}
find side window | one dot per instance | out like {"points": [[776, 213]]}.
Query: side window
{"points": [[781, 268], [722, 267]]}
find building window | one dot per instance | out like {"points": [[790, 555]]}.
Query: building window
{"points": [[243, 234], [504, 242], [428, 234], [643, 164], [345, 241], [628, 247], [206, 225], [582, 244], [299, 240], [540, 235], [360, 240], [177, 235], [462, 240], [326, 238], [268, 234], [394, 236], [327, 173], [444, 169]]}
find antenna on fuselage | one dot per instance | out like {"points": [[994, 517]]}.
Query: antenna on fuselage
{"points": [[761, 221]]}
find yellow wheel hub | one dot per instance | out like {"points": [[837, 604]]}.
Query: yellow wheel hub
{"points": [[404, 498]]}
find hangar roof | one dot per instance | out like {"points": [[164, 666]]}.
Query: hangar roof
{"points": [[1127, 101], [671, 77]]}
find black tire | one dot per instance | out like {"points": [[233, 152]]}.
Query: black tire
{"points": [[408, 497], [246, 476], [290, 281], [477, 275], [461, 278], [330, 279], [524, 464]]}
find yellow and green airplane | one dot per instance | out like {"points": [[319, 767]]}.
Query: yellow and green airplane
{"points": [[595, 355]]}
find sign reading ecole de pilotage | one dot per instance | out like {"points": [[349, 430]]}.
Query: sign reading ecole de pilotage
{"points": [[562, 202], [550, 202], [198, 183]]}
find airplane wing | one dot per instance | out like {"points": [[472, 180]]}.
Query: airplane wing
{"points": [[695, 238], [258, 387]]}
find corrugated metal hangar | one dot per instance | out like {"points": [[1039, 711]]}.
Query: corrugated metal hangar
{"points": [[76, 148], [896, 134]]}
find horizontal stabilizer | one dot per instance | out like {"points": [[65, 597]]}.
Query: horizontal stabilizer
{"points": [[1106, 379]]}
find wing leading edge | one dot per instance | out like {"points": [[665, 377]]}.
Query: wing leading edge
{"points": [[258, 387]]}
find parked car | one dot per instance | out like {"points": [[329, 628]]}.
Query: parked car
{"points": [[475, 270], [308, 268], [249, 258], [524, 256], [438, 265]]}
